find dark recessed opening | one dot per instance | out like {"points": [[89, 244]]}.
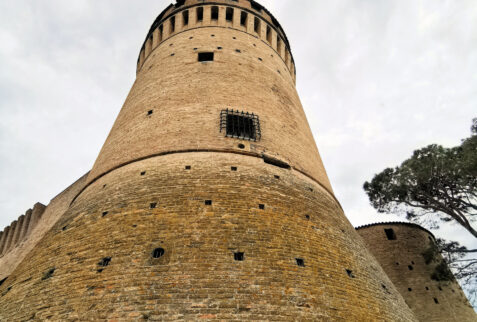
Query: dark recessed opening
{"points": [[158, 252], [260, 59], [275, 162], [390, 234], [200, 14], [143, 173], [427, 288], [307, 217], [243, 18], [208, 202], [238, 50], [300, 262], [383, 286], [277, 177], [311, 189], [48, 274], [239, 256], [149, 112], [410, 267], [440, 288], [397, 263], [104, 213], [103, 263], [153, 205], [256, 25], [229, 14], [409, 289], [188, 167], [269, 34], [64, 228], [196, 48], [413, 263], [3, 281], [172, 54], [436, 301], [350, 273], [214, 14], [241, 146], [173, 24], [104, 186], [261, 206], [212, 35], [185, 17], [233, 168], [219, 48], [205, 57]]}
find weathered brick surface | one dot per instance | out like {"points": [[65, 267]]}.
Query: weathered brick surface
{"points": [[36, 224], [198, 278], [186, 97], [398, 256], [96, 262]]}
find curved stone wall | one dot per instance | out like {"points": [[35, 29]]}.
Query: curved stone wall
{"points": [[185, 98], [202, 209], [400, 248]]}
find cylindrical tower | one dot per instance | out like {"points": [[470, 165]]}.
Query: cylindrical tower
{"points": [[208, 199], [409, 256]]}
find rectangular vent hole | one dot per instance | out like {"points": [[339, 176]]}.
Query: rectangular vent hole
{"points": [[233, 168], [261, 206], [153, 205], [143, 173], [188, 167], [205, 57], [239, 256], [300, 262], [208, 202]]}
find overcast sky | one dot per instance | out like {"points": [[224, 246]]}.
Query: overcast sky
{"points": [[378, 79]]}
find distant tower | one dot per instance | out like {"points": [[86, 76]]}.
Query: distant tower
{"points": [[208, 199], [409, 256]]}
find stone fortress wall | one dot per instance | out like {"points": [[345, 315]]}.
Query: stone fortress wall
{"points": [[177, 220], [18, 239], [401, 250]]}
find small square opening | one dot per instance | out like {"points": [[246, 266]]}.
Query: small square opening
{"points": [[233, 168], [239, 256], [208, 202], [188, 167], [261, 206], [205, 57], [153, 205], [300, 262]]}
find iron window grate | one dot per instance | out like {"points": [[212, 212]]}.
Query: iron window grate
{"points": [[240, 125]]}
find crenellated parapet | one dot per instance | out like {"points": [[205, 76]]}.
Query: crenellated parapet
{"points": [[20, 229], [243, 15]]}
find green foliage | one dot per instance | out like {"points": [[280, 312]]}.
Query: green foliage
{"points": [[434, 184], [430, 254], [442, 273]]}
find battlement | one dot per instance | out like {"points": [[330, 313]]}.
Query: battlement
{"points": [[243, 15], [20, 229]]}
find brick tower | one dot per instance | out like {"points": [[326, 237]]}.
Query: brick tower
{"points": [[208, 199], [409, 256]]}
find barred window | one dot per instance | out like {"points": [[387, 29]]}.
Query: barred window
{"points": [[240, 125]]}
